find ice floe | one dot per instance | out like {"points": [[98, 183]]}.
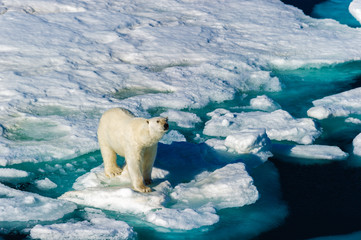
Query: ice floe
{"points": [[355, 9], [341, 104], [183, 119], [357, 145], [12, 175], [97, 226], [279, 125], [45, 184], [20, 207], [194, 204], [310, 151], [253, 141], [264, 103]]}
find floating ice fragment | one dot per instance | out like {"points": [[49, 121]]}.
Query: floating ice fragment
{"points": [[264, 103], [30, 206], [355, 9], [183, 119], [13, 175], [45, 184], [357, 145], [253, 141], [96, 228], [279, 125], [310, 151], [230, 186], [341, 104], [184, 219], [353, 120], [173, 136]]}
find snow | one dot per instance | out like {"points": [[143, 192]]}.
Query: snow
{"points": [[357, 145], [355, 9], [337, 105], [30, 206], [310, 151], [194, 203], [279, 125]]}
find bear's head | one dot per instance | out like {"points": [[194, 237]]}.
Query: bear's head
{"points": [[158, 126]]}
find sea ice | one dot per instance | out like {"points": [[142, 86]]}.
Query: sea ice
{"points": [[173, 136], [11, 175], [184, 219], [21, 207], [341, 104], [193, 203], [183, 119], [264, 103], [230, 186], [310, 151], [253, 141], [95, 228], [357, 145], [355, 9], [45, 184], [279, 125]]}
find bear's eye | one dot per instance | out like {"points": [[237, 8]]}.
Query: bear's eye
{"points": [[157, 121]]}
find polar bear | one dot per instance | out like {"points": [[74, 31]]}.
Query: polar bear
{"points": [[135, 139]]}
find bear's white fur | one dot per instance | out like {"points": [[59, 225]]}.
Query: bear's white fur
{"points": [[136, 139]]}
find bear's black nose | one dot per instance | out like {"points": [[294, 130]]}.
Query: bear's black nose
{"points": [[166, 126]]}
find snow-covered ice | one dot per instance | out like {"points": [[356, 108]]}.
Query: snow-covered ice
{"points": [[341, 104], [357, 145], [279, 125], [13, 175], [183, 119], [264, 103], [194, 203], [355, 9], [97, 226], [230, 186], [45, 184], [246, 141], [21, 207], [310, 151]]}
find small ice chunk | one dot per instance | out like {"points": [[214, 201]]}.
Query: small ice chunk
{"points": [[96, 228], [12, 175], [183, 119], [45, 184], [264, 103], [30, 206], [355, 9], [319, 112], [357, 145], [230, 186], [310, 151], [279, 125], [173, 136], [184, 219]]}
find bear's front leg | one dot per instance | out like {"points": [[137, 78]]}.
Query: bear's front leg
{"points": [[111, 167], [134, 162]]}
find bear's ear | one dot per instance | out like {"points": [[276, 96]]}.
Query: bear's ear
{"points": [[148, 121]]}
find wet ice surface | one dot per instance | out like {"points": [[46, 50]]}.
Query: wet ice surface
{"points": [[221, 72]]}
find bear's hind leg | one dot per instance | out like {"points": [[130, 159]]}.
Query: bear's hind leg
{"points": [[111, 167]]}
